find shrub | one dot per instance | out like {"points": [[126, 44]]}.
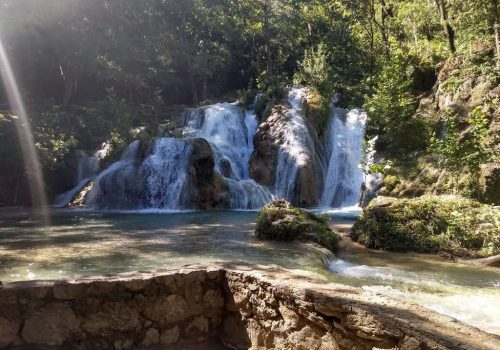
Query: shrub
{"points": [[280, 221], [456, 225]]}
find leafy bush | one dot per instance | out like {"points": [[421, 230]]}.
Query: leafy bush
{"points": [[315, 70], [280, 221], [391, 107], [456, 225]]}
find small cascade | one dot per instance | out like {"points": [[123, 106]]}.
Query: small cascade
{"points": [[246, 194], [117, 187], [229, 130], [165, 173], [298, 148], [224, 126], [88, 166], [344, 139]]}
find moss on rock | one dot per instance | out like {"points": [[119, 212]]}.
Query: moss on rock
{"points": [[280, 221], [456, 225]]}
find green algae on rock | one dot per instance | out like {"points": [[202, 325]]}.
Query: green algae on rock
{"points": [[280, 221], [451, 224]]}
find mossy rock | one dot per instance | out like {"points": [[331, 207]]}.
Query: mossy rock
{"points": [[281, 221], [456, 225]]}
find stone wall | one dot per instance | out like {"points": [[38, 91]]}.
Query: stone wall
{"points": [[240, 307]]}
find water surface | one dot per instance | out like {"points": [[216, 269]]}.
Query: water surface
{"points": [[80, 243]]}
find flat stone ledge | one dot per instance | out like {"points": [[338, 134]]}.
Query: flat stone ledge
{"points": [[243, 306]]}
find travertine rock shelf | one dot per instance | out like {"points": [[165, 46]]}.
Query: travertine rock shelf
{"points": [[233, 306]]}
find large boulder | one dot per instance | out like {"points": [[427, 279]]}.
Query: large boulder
{"points": [[205, 184], [280, 221], [451, 224]]}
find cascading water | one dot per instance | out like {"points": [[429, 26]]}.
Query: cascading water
{"points": [[88, 166], [117, 187], [163, 179], [297, 148], [344, 139], [224, 126], [324, 168], [165, 173], [229, 130]]}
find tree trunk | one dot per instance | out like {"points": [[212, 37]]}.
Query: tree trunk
{"points": [[194, 91], [204, 91], [492, 260], [448, 29], [496, 25], [384, 13], [267, 43]]}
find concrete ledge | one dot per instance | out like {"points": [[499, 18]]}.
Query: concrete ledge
{"points": [[240, 306]]}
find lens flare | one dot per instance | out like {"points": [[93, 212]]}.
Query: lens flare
{"points": [[25, 136]]}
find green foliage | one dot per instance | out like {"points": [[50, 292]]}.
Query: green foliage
{"points": [[458, 150], [459, 226], [314, 70], [391, 108], [367, 164], [280, 221]]}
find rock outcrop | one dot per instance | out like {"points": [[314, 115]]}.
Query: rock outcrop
{"points": [[266, 145], [295, 131], [459, 89], [238, 306]]}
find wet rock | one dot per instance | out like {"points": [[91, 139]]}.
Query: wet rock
{"points": [[205, 184], [271, 135]]}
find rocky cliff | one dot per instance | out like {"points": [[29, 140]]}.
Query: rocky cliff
{"points": [[463, 85]]}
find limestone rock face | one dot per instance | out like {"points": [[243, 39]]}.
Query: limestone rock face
{"points": [[291, 131], [266, 145], [460, 94]]}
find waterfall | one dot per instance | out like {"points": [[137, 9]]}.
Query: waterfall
{"points": [[224, 126], [344, 140], [87, 168], [177, 173], [229, 130], [165, 173], [296, 148], [117, 186]]}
